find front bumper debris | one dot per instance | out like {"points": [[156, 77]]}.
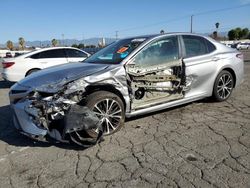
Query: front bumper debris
{"points": [[62, 119]]}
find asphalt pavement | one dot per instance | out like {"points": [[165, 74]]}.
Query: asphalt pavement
{"points": [[202, 144]]}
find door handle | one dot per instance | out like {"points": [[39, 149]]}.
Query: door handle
{"points": [[215, 59]]}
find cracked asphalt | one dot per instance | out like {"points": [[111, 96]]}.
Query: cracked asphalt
{"points": [[202, 144]]}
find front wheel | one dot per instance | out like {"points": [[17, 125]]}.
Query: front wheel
{"points": [[223, 86], [109, 108]]}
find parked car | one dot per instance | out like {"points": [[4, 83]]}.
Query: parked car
{"points": [[8, 55], [91, 50], [234, 45], [243, 46], [15, 69], [130, 77]]}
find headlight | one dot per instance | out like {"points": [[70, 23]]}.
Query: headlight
{"points": [[52, 87], [49, 88], [77, 85]]}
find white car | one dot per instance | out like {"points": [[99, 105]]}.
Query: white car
{"points": [[243, 46], [15, 69]]}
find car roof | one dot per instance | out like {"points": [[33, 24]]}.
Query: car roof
{"points": [[148, 37], [46, 49]]}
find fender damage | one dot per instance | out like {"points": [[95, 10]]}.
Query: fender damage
{"points": [[58, 110]]}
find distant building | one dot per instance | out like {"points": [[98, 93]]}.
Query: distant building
{"points": [[102, 43]]}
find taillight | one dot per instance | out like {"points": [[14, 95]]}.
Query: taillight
{"points": [[240, 56], [7, 64]]}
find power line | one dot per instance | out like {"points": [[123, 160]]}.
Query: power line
{"points": [[221, 10], [190, 16], [184, 17]]}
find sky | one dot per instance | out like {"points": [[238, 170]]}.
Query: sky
{"points": [[82, 19]]}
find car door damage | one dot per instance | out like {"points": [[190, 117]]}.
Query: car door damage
{"points": [[157, 84]]}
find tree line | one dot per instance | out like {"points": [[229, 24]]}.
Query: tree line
{"points": [[54, 43], [81, 46], [234, 34], [21, 42], [238, 33]]}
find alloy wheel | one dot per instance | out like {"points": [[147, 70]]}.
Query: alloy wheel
{"points": [[225, 86], [110, 113]]}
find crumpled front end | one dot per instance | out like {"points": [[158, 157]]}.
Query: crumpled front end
{"points": [[59, 110], [60, 115]]}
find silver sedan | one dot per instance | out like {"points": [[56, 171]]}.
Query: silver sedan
{"points": [[130, 77]]}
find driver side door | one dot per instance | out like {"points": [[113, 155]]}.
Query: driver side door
{"points": [[156, 73]]}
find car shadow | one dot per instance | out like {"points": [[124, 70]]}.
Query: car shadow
{"points": [[11, 136], [6, 84]]}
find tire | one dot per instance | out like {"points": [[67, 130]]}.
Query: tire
{"points": [[31, 71], [223, 86], [97, 102]]}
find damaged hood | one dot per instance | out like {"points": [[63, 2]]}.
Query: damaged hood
{"points": [[61, 74]]}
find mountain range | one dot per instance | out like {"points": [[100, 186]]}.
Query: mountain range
{"points": [[70, 42], [65, 42]]}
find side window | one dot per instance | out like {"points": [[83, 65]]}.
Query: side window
{"points": [[194, 45], [210, 46], [75, 53], [35, 56], [58, 53], [159, 52]]}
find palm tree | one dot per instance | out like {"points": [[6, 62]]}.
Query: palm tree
{"points": [[9, 45], [54, 42], [217, 26], [21, 42]]}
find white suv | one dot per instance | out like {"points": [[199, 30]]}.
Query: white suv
{"points": [[15, 69], [243, 46]]}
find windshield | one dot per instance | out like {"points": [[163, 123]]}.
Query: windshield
{"points": [[116, 52]]}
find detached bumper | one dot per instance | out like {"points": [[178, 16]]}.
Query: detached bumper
{"points": [[23, 122], [77, 120]]}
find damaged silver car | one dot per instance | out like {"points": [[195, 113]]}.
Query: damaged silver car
{"points": [[133, 76]]}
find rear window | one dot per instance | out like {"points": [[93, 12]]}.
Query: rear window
{"points": [[210, 46], [75, 53]]}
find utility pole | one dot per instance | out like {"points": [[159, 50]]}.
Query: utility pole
{"points": [[62, 39], [116, 35], [191, 24]]}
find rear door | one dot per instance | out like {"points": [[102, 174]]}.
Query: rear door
{"points": [[74, 55], [51, 58], [200, 61]]}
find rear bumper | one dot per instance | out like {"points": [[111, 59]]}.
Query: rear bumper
{"points": [[11, 77]]}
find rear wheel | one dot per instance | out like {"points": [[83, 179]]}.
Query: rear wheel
{"points": [[223, 86], [109, 108]]}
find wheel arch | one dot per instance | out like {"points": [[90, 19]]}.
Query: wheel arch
{"points": [[233, 74], [105, 87], [27, 73]]}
